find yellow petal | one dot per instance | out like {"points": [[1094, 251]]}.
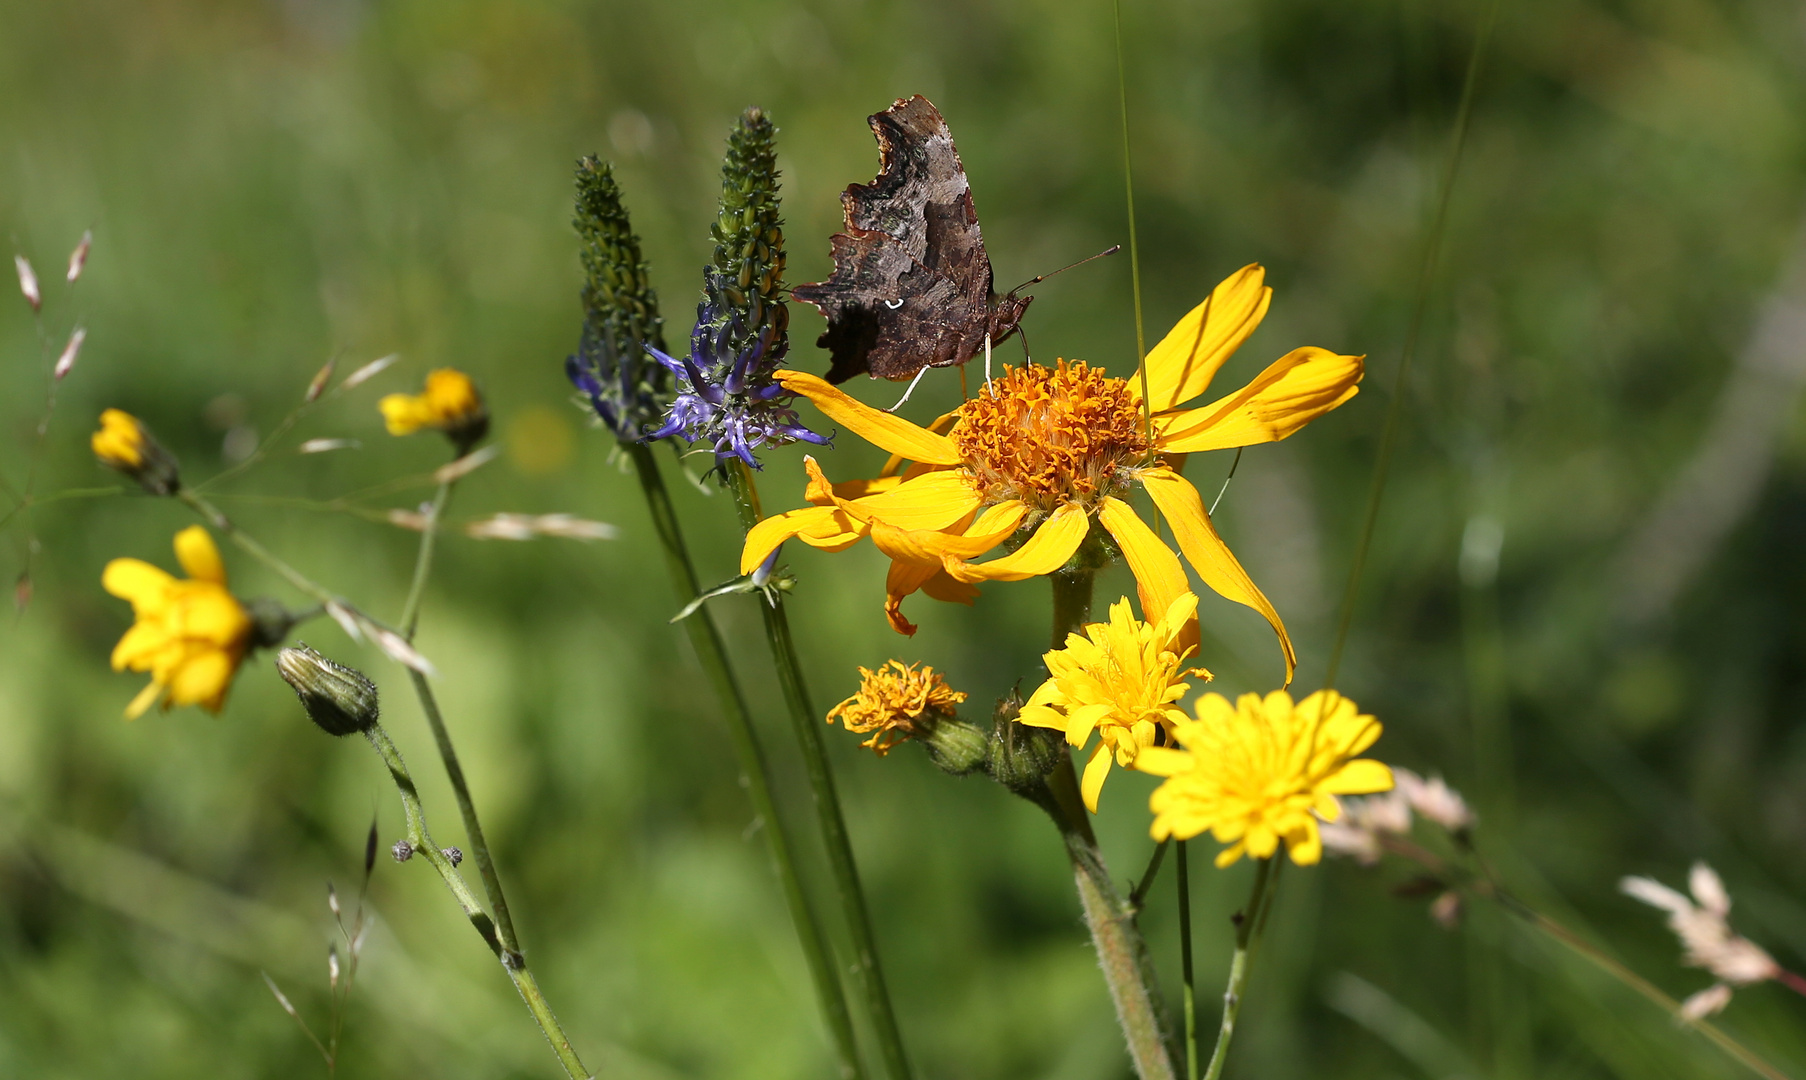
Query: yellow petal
{"points": [[1182, 365], [138, 581], [1159, 578], [203, 679], [1230, 855], [932, 546], [947, 589], [1363, 776], [1305, 844], [1294, 390], [1207, 553], [881, 429], [1162, 761], [198, 555], [1092, 783], [904, 578], [404, 414], [145, 699], [1041, 716], [931, 501], [765, 537], [1044, 552], [139, 645]]}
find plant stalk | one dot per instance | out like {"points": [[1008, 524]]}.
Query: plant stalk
{"points": [[1248, 927], [711, 652], [1122, 954], [1183, 872], [422, 842], [807, 722]]}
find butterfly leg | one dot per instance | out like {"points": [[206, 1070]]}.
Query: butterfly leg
{"points": [[911, 390], [987, 361]]}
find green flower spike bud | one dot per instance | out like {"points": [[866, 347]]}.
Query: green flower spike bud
{"points": [[744, 290], [341, 700], [625, 386]]}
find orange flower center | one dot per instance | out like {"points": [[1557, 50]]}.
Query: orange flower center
{"points": [[1049, 436]]}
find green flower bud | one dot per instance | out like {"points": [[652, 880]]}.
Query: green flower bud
{"points": [[341, 700], [1021, 757]]}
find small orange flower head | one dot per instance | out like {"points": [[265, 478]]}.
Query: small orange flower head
{"points": [[450, 403], [896, 702]]}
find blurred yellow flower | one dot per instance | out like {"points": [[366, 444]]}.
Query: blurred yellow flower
{"points": [[894, 703], [123, 443], [450, 404], [1119, 679], [119, 443], [1263, 770], [1052, 449], [190, 634]]}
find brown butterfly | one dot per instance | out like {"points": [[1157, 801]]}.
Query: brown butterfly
{"points": [[912, 285]]}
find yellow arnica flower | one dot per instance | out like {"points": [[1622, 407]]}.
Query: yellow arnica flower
{"points": [[894, 703], [1263, 770], [119, 443], [1052, 449], [190, 635], [1119, 679], [450, 404]]}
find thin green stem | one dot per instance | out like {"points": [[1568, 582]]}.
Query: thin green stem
{"points": [[711, 652], [1248, 927], [1122, 953], [422, 844], [1191, 1010], [423, 560], [807, 723], [1426, 276], [1128, 183]]}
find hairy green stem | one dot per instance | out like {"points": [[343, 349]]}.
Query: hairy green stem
{"points": [[1248, 927], [1183, 872], [1122, 954], [711, 652], [422, 844], [807, 722]]}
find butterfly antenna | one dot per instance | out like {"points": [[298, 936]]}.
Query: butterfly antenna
{"points": [[1111, 250], [1022, 334], [911, 390]]}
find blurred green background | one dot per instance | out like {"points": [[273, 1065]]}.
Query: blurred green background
{"points": [[1582, 605]]}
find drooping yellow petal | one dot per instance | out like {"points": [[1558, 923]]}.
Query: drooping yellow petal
{"points": [[1158, 576], [881, 429], [904, 579], [1181, 366], [144, 700], [1043, 553], [1208, 554], [1294, 390], [198, 555], [932, 546], [139, 647], [1096, 771], [931, 501], [1363, 776], [766, 537], [945, 588]]}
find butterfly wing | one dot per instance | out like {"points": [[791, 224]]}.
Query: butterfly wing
{"points": [[912, 283]]}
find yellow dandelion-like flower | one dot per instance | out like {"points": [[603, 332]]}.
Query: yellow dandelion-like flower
{"points": [[1263, 770], [1051, 449], [894, 703], [189, 634], [125, 444], [450, 403], [1120, 679]]}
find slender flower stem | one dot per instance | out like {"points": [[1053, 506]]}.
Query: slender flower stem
{"points": [[1183, 872], [422, 843], [497, 933], [828, 817], [1121, 952], [1247, 934], [711, 652], [423, 560]]}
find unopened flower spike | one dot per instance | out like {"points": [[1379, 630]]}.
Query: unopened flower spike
{"points": [[1263, 771], [1120, 679], [190, 634], [612, 367], [125, 444], [728, 394], [449, 403]]}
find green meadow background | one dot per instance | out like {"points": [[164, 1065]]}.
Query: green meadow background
{"points": [[1582, 604]]}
